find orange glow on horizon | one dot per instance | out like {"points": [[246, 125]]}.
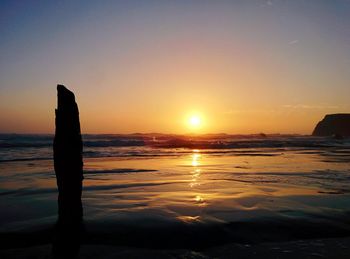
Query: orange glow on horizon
{"points": [[154, 70]]}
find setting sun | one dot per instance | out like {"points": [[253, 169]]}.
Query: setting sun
{"points": [[195, 121]]}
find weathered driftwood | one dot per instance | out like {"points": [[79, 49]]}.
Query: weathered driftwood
{"points": [[68, 165]]}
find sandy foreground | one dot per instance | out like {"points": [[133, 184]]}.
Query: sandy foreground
{"points": [[313, 248]]}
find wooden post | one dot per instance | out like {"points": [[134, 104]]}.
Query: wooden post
{"points": [[68, 164]]}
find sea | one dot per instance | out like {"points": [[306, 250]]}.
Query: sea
{"points": [[183, 190]]}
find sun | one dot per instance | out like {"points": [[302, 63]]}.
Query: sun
{"points": [[195, 121]]}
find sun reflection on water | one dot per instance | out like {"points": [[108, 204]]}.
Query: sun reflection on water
{"points": [[195, 159], [196, 174], [189, 219], [195, 178]]}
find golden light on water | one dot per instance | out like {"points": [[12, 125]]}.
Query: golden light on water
{"points": [[196, 174], [189, 219], [195, 159]]}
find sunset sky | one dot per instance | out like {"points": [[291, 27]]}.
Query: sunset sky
{"points": [[150, 66]]}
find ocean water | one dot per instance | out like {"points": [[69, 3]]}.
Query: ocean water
{"points": [[179, 190]]}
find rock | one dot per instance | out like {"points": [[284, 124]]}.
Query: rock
{"points": [[333, 125]]}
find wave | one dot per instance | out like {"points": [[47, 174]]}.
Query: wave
{"points": [[25, 159], [30, 148], [118, 171], [178, 141], [40, 191]]}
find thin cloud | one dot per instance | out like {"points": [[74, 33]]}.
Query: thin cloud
{"points": [[247, 111], [306, 106], [293, 42]]}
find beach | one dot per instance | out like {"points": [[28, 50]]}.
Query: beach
{"points": [[183, 196]]}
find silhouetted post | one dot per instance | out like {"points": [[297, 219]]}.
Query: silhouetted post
{"points": [[68, 163]]}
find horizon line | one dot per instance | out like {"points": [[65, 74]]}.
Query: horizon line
{"points": [[160, 133]]}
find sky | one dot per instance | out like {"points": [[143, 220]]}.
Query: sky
{"points": [[242, 67]]}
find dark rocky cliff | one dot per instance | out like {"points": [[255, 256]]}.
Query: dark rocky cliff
{"points": [[333, 124]]}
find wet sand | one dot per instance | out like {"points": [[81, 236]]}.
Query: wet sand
{"points": [[310, 248], [148, 202]]}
